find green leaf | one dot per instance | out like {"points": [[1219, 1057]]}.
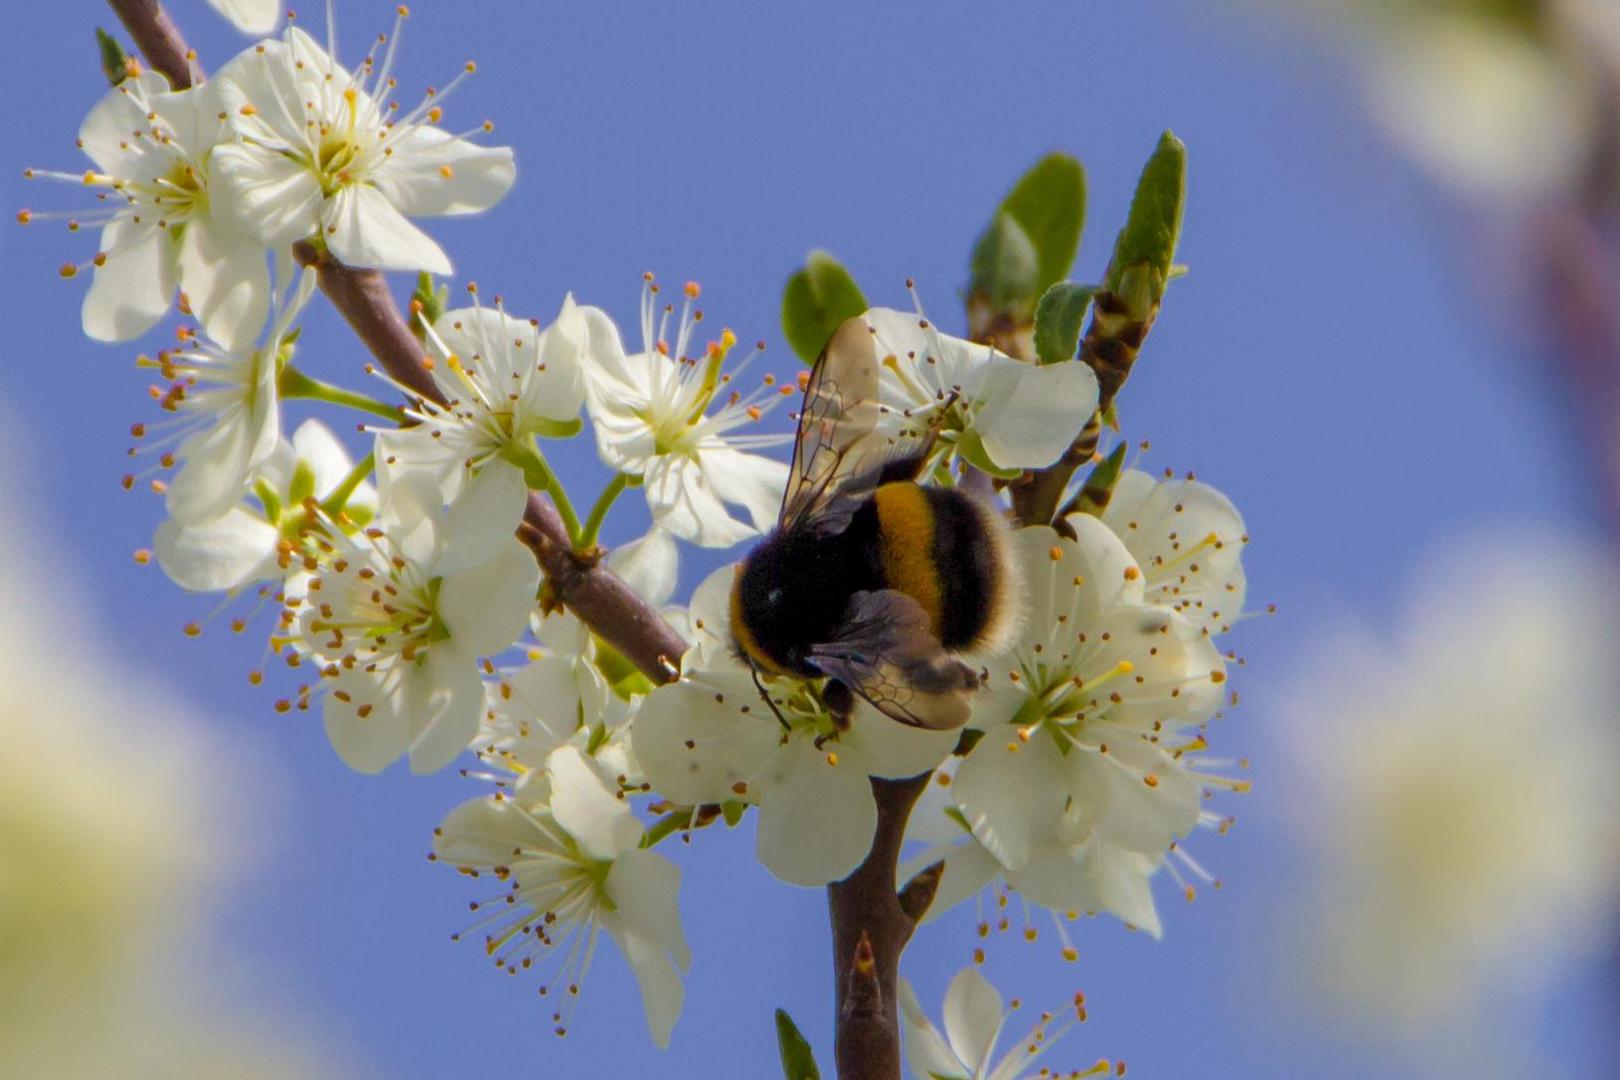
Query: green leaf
{"points": [[1049, 204], [1098, 490], [817, 298], [114, 61], [1153, 228], [1058, 318], [1005, 265], [798, 1060]]}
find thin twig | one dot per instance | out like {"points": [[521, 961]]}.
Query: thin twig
{"points": [[603, 602]]}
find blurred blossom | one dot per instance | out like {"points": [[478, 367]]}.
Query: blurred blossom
{"points": [[1497, 98], [1457, 792], [104, 853]]}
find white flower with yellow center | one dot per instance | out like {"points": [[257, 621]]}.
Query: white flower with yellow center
{"points": [[1087, 770], [974, 1021], [998, 413], [319, 156], [572, 865], [163, 225], [1473, 749], [397, 620], [710, 738], [653, 420], [505, 381], [227, 414], [268, 538], [1188, 539]]}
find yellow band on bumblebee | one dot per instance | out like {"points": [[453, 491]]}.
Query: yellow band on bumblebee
{"points": [[906, 539]]}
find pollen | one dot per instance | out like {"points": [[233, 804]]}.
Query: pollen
{"points": [[1132, 573], [68, 270], [142, 556], [435, 114], [247, 110], [1055, 553], [693, 290], [832, 758], [446, 171], [24, 217]]}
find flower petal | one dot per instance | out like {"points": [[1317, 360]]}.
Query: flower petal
{"points": [[926, 1051], [694, 743], [367, 743], [816, 818], [482, 832], [662, 993], [645, 887], [229, 551], [268, 195], [487, 606], [444, 698], [1010, 791], [133, 289], [364, 229], [250, 16], [480, 521], [226, 280], [972, 1017], [649, 565], [584, 804], [433, 173], [683, 502], [1032, 412]]}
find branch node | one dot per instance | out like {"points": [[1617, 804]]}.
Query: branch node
{"points": [[919, 892]]}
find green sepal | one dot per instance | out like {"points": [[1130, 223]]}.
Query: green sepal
{"points": [[434, 299], [1153, 228], [114, 61], [1005, 267], [599, 735], [819, 296], [798, 1060], [733, 811], [1049, 204], [525, 457], [269, 500], [1058, 320], [303, 483], [558, 429], [970, 448], [623, 677], [1098, 490]]}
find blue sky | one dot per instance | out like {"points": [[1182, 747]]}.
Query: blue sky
{"points": [[1328, 363]]}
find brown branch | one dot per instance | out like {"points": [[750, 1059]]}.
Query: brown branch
{"points": [[871, 926], [158, 40], [603, 602]]}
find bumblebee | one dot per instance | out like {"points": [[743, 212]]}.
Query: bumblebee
{"points": [[872, 579]]}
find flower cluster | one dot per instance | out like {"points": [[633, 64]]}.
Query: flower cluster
{"points": [[405, 572]]}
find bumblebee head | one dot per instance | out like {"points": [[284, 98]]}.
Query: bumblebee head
{"points": [[761, 604]]}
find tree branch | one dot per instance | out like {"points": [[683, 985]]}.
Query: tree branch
{"points": [[158, 40], [603, 602], [870, 931]]}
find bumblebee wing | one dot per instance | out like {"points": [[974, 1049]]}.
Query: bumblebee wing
{"points": [[843, 443], [887, 653]]}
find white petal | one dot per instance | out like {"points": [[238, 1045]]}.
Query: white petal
{"points": [[1122, 885], [749, 480], [887, 748], [1010, 797], [250, 16], [445, 699], [1033, 411], [584, 804], [968, 869], [226, 280], [649, 565], [662, 994], [133, 289], [481, 520], [727, 746], [266, 194], [682, 501], [364, 229], [231, 550], [414, 180], [816, 819], [972, 1016], [486, 607], [104, 134], [645, 887], [325, 454], [366, 743], [214, 473], [481, 833], [926, 1051]]}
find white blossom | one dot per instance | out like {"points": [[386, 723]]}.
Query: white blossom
{"points": [[996, 412], [974, 1021], [709, 738], [652, 415], [505, 381], [163, 225], [267, 538], [572, 866], [318, 155], [228, 414], [396, 621], [1087, 772], [250, 16], [1457, 774], [1188, 539]]}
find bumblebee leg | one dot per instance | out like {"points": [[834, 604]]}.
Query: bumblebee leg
{"points": [[840, 702], [764, 695]]}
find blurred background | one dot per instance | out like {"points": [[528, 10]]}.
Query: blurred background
{"points": [[1396, 351]]}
